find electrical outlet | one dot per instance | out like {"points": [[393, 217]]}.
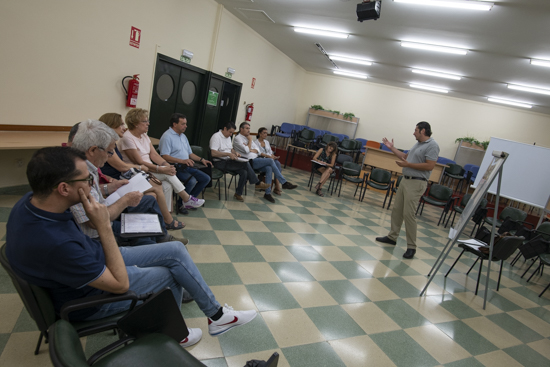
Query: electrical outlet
{"points": [[19, 163]]}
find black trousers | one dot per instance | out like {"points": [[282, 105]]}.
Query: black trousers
{"points": [[244, 170]]}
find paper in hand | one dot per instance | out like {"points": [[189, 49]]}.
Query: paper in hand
{"points": [[136, 183]]}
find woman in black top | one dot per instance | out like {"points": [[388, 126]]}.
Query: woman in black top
{"points": [[324, 161]]}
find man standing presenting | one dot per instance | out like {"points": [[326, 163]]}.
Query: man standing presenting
{"points": [[174, 148], [242, 143], [227, 159], [417, 166]]}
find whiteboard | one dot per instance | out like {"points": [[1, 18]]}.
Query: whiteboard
{"points": [[526, 174]]}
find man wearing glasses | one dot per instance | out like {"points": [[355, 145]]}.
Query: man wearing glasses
{"points": [[97, 141], [45, 247]]}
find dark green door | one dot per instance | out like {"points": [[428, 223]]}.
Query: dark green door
{"points": [[178, 87]]}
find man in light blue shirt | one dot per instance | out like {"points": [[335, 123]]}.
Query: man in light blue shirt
{"points": [[175, 149]]}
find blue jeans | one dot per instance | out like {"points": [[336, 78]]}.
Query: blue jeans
{"points": [[269, 166], [151, 268], [194, 180], [147, 204]]}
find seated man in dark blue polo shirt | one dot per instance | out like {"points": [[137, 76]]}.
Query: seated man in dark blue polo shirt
{"points": [[46, 247]]}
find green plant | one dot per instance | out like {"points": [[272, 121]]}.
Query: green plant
{"points": [[334, 112], [348, 116], [473, 141], [317, 107]]}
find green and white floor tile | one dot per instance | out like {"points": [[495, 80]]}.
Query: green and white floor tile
{"points": [[328, 294]]}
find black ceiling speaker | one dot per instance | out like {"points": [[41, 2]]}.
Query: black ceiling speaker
{"points": [[368, 10]]}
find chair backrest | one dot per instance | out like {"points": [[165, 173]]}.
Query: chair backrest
{"points": [[197, 150], [446, 161], [384, 147], [286, 127], [372, 144], [343, 158], [398, 182], [453, 169], [299, 128], [545, 229], [513, 213], [307, 134], [362, 143], [351, 169], [341, 137], [65, 347], [465, 200], [347, 144], [474, 170], [380, 175], [440, 192], [327, 138], [506, 246], [358, 145], [36, 299]]}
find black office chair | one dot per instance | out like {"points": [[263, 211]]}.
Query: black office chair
{"points": [[40, 307], [379, 179], [352, 172], [438, 195], [502, 250]]}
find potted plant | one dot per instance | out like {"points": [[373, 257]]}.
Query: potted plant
{"points": [[471, 142]]}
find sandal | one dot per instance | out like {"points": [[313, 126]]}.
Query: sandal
{"points": [[319, 192], [174, 225]]}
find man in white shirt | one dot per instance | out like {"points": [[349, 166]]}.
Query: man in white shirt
{"points": [[225, 158], [243, 144]]}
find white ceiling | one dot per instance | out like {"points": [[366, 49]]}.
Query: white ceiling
{"points": [[501, 42]]}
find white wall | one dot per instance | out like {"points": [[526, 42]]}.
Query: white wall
{"points": [[391, 112]]}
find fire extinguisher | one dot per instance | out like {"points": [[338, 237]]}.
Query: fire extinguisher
{"points": [[249, 110], [132, 91]]}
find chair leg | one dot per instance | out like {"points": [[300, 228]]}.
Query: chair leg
{"points": [[499, 274], [391, 197], [386, 198], [525, 272], [458, 258], [419, 203], [39, 343], [536, 271], [479, 275], [513, 262], [471, 267], [544, 290]]}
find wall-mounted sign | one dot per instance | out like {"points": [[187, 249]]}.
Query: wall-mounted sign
{"points": [[135, 37], [212, 98], [253, 83]]}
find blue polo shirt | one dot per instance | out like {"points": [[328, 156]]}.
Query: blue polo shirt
{"points": [[50, 251], [174, 144]]}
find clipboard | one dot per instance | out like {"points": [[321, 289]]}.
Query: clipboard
{"points": [[139, 225]]}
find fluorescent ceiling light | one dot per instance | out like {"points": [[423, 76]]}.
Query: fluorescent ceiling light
{"points": [[529, 89], [458, 4], [437, 74], [429, 87], [321, 32], [348, 73], [540, 62], [426, 46], [511, 103], [349, 59]]}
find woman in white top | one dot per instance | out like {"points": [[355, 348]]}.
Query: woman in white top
{"points": [[136, 147], [264, 150]]}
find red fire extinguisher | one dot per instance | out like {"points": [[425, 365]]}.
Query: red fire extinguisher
{"points": [[249, 110], [132, 91]]}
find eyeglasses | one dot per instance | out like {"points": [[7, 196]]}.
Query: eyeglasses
{"points": [[110, 153], [146, 121], [89, 179]]}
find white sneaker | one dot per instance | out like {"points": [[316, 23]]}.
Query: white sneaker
{"points": [[193, 338], [229, 320], [193, 202]]}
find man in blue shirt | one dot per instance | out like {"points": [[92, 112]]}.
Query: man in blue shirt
{"points": [[46, 247], [174, 148]]}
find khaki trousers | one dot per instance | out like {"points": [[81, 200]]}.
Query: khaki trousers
{"points": [[406, 201]]}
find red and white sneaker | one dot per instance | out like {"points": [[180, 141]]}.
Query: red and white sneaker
{"points": [[193, 338], [229, 320]]}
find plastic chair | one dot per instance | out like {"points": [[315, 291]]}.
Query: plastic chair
{"points": [[40, 306], [445, 161], [352, 172], [347, 146], [514, 214], [501, 251], [379, 179], [394, 189], [363, 143], [327, 138], [460, 208], [384, 147], [438, 195], [284, 131], [453, 172]]}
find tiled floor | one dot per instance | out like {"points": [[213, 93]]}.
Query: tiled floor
{"points": [[328, 294]]}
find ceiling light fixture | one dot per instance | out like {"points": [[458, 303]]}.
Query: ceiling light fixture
{"points": [[437, 74], [458, 4], [321, 32], [429, 87], [348, 73], [511, 103], [351, 60], [529, 89], [540, 62], [426, 46]]}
